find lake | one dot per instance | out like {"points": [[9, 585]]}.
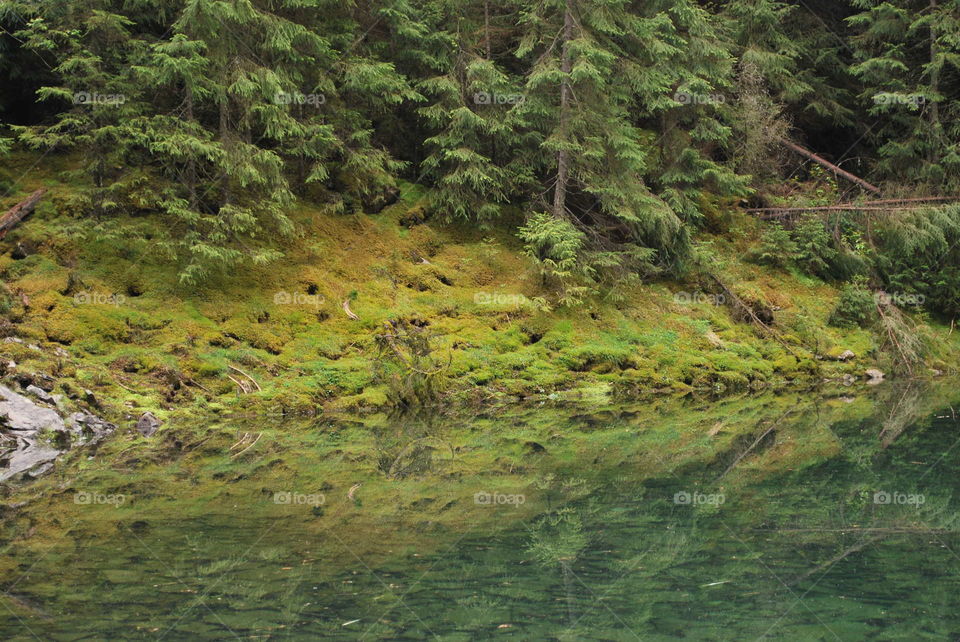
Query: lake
{"points": [[793, 517]]}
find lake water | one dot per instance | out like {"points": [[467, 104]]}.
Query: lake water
{"points": [[793, 518]]}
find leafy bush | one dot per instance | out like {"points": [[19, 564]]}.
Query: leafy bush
{"points": [[776, 248], [559, 251], [855, 307], [815, 253]]}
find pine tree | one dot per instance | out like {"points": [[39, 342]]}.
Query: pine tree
{"points": [[91, 47], [471, 119], [909, 56], [578, 95]]}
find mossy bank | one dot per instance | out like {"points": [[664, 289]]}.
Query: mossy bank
{"points": [[108, 315]]}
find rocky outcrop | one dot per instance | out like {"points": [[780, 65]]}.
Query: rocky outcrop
{"points": [[33, 436], [148, 424]]}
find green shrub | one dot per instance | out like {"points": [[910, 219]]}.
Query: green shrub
{"points": [[558, 249], [815, 253], [855, 307], [776, 247]]}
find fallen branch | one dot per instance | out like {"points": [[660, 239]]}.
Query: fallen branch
{"points": [[864, 206], [754, 444], [19, 212], [740, 304], [350, 313], [353, 489], [236, 369], [767, 213], [191, 382], [125, 388], [242, 387], [240, 442], [833, 560], [830, 166]]}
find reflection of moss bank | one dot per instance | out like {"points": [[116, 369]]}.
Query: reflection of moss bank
{"points": [[551, 455]]}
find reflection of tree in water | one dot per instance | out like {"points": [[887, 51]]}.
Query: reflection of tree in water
{"points": [[905, 407], [557, 540], [615, 560], [409, 446]]}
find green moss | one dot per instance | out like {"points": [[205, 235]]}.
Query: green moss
{"points": [[304, 356]]}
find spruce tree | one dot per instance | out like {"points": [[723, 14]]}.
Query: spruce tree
{"points": [[577, 103], [90, 47], [908, 57], [471, 118]]}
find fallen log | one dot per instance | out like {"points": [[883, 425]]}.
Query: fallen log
{"points": [[864, 206], [19, 212], [806, 153], [894, 204]]}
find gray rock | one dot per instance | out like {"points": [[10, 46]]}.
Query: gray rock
{"points": [[32, 437], [39, 471], [88, 429], [30, 458], [41, 394], [147, 424], [18, 413], [846, 355], [91, 398], [873, 375], [13, 340]]}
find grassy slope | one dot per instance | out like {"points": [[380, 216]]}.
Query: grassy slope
{"points": [[169, 347]]}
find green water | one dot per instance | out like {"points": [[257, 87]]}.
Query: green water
{"points": [[784, 536]]}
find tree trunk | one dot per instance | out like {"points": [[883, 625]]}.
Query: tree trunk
{"points": [[225, 195], [566, 66], [486, 27], [830, 166], [19, 212], [192, 163], [934, 110]]}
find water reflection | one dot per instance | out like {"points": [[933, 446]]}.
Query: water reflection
{"points": [[792, 517]]}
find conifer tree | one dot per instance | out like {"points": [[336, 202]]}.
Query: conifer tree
{"points": [[90, 46], [908, 59], [577, 100], [471, 119]]}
